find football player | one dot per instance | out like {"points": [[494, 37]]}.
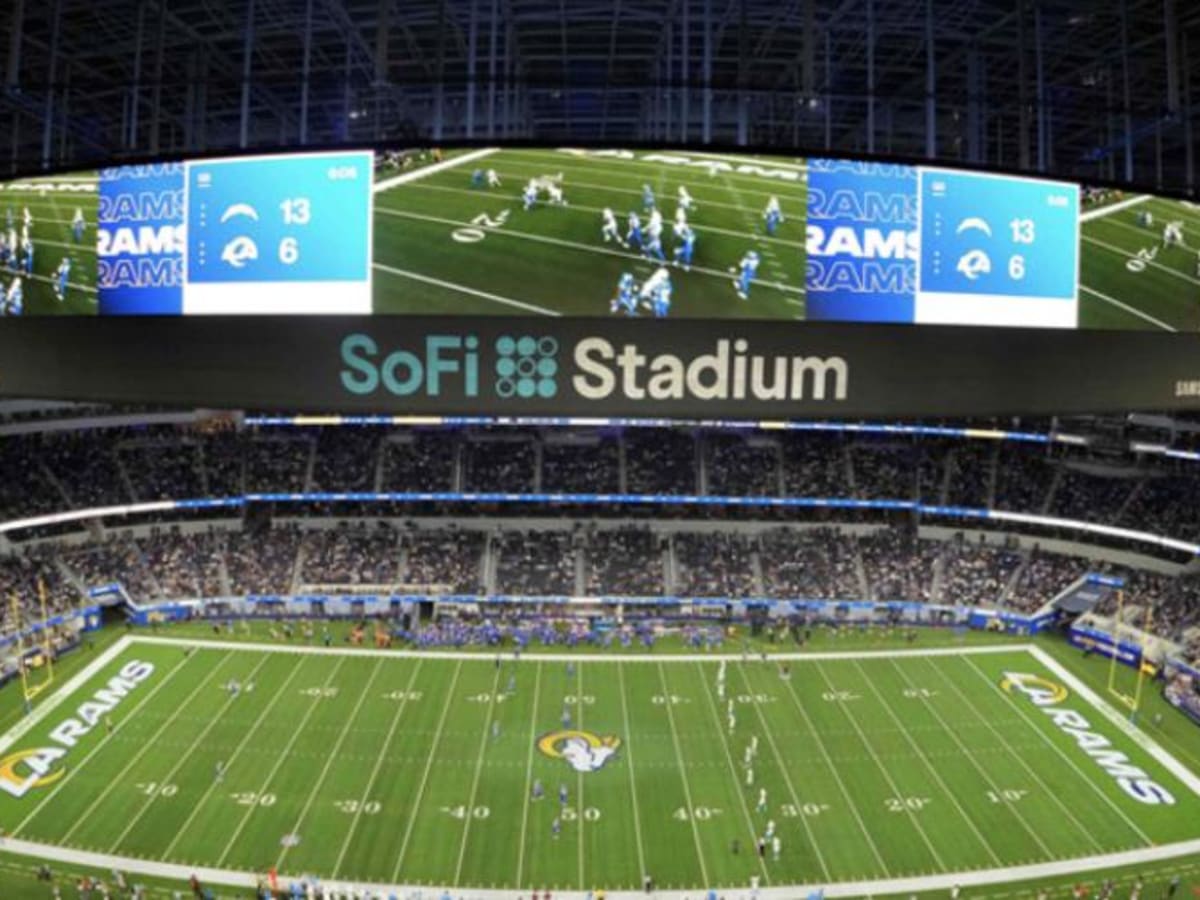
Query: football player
{"points": [[748, 271]]}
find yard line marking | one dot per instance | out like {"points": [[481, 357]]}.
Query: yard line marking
{"points": [[1128, 255], [887, 776], [579, 777], [849, 889], [1020, 757], [850, 804], [1139, 737], [1103, 211], [525, 799], [345, 732], [469, 656], [1129, 309], [571, 245], [412, 819], [282, 758], [133, 761], [937, 776], [733, 772], [483, 742], [73, 770], [462, 289], [619, 168], [578, 207], [812, 838], [637, 817], [387, 741], [55, 700], [591, 185], [1032, 723], [974, 763], [407, 177], [237, 750], [687, 791]]}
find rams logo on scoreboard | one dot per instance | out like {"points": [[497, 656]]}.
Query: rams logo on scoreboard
{"points": [[583, 750], [1042, 691]]}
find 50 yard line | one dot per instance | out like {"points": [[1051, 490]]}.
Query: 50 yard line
{"points": [[637, 818], [526, 798]]}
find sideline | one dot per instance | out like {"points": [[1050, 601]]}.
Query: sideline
{"points": [[418, 174]]}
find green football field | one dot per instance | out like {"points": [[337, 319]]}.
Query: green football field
{"points": [[388, 769], [52, 210], [445, 247]]}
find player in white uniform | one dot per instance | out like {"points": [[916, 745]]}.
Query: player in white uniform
{"points": [[611, 231], [1172, 235], [27, 218], [655, 225], [554, 190], [762, 800], [77, 225], [62, 277], [685, 199], [493, 180], [681, 221], [654, 283]]}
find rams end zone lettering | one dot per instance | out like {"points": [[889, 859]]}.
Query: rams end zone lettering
{"points": [[1046, 695], [27, 769]]}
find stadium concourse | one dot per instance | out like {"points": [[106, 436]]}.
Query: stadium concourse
{"points": [[111, 458]]}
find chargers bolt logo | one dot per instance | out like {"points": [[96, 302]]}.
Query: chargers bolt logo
{"points": [[583, 750], [526, 367]]}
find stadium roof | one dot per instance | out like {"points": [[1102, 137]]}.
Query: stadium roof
{"points": [[1060, 85]]}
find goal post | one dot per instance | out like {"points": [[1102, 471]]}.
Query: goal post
{"points": [[1132, 636], [30, 654]]}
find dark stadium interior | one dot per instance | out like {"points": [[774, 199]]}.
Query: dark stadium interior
{"points": [[387, 493]]}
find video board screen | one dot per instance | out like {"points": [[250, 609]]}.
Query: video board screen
{"points": [[603, 233]]}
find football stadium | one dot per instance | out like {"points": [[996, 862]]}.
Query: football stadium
{"points": [[506, 450]]}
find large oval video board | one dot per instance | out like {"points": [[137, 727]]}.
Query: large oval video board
{"points": [[601, 233]]}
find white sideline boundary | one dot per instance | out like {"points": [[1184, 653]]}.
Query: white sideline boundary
{"points": [[60, 696], [1103, 211], [875, 887], [1139, 737], [416, 175], [485, 656]]}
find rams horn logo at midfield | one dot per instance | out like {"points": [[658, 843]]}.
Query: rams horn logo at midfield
{"points": [[1042, 691], [35, 770], [583, 751]]}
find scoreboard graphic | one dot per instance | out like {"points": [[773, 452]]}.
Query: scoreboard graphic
{"points": [[997, 250], [256, 235]]}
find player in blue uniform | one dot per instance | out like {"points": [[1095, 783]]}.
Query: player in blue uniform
{"points": [[660, 304], [647, 197], [538, 791], [633, 235], [477, 178], [563, 796], [685, 248], [773, 215], [530, 195], [626, 299], [748, 271], [77, 225], [62, 276]]}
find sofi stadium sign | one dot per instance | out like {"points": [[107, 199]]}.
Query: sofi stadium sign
{"points": [[1047, 696], [593, 368], [25, 770]]}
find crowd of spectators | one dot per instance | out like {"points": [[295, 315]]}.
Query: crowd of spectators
{"points": [[445, 558], [427, 461], [581, 467], [737, 466], [349, 555], [898, 566], [975, 572], [505, 463], [714, 564], [625, 562], [536, 562], [814, 563]]}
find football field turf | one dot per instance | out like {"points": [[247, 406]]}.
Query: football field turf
{"points": [[445, 247], [52, 209], [389, 769]]}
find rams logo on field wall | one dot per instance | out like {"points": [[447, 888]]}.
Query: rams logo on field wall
{"points": [[1042, 691], [583, 751], [19, 772]]}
